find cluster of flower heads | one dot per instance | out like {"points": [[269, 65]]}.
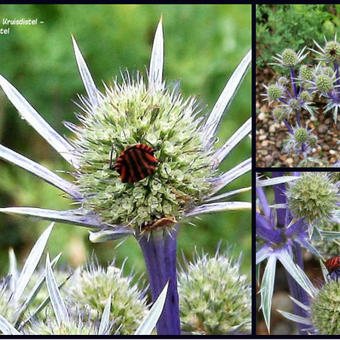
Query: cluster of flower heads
{"points": [[296, 93], [218, 306], [304, 204]]}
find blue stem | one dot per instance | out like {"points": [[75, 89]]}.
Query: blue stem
{"points": [[159, 250], [288, 127], [336, 68], [298, 120], [297, 292], [292, 78]]}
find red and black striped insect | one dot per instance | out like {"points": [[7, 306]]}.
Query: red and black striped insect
{"points": [[135, 163], [332, 51], [332, 264]]}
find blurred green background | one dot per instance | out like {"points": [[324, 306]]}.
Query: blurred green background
{"points": [[203, 46]]}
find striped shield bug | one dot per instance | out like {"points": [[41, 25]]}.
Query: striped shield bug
{"points": [[135, 163], [333, 264]]}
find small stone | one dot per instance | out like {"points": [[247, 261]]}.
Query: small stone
{"points": [[322, 128]]}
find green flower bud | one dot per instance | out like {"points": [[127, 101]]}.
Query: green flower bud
{"points": [[324, 83], [305, 96], [328, 70], [214, 297], [294, 104], [283, 81], [274, 92], [51, 327], [332, 51], [131, 114], [306, 72], [325, 309], [301, 135], [289, 57], [279, 114], [92, 287], [313, 196], [312, 140]]}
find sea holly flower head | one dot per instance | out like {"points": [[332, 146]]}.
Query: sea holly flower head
{"points": [[301, 135], [273, 92], [324, 309], [289, 58], [323, 83], [215, 298], [294, 104], [162, 119], [306, 72], [91, 287], [279, 114], [330, 52], [313, 197], [142, 115]]}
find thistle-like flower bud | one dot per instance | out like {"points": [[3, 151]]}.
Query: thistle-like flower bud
{"points": [[274, 92], [305, 96], [75, 327], [283, 81], [214, 297], [328, 70], [324, 83], [279, 114], [312, 140], [295, 104], [92, 288], [306, 72], [289, 57], [301, 135], [325, 309], [313, 196], [143, 157], [332, 51]]}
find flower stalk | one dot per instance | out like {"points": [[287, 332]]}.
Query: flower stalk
{"points": [[159, 250]]}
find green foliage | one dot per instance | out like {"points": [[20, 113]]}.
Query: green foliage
{"points": [[203, 45], [292, 26]]}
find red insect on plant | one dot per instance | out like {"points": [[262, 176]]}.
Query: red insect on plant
{"points": [[135, 163], [332, 51], [332, 264]]}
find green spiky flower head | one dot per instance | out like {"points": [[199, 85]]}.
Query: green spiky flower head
{"points": [[50, 326], [295, 104], [301, 135], [325, 312], [306, 72], [283, 81], [312, 196], [305, 96], [214, 297], [289, 57], [332, 51], [279, 114], [130, 114], [323, 83], [274, 92], [92, 288]]}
